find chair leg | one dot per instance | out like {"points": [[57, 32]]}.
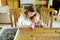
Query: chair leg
{"points": [[15, 21], [11, 20]]}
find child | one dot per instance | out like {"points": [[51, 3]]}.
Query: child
{"points": [[37, 23]]}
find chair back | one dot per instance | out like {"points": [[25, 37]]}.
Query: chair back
{"points": [[14, 15], [46, 14]]}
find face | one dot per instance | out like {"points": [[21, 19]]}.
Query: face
{"points": [[34, 19], [30, 14]]}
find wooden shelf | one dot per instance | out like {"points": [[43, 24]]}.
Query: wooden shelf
{"points": [[41, 2]]}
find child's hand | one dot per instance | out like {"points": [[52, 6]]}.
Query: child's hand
{"points": [[32, 26], [37, 25], [42, 24]]}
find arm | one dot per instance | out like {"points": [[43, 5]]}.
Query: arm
{"points": [[20, 20]]}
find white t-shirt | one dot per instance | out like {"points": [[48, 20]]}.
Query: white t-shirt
{"points": [[23, 21]]}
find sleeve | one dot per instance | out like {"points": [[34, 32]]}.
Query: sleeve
{"points": [[19, 24]]}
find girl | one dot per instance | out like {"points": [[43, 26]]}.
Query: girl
{"points": [[24, 19]]}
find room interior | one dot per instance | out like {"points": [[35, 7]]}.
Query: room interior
{"points": [[35, 3], [10, 11]]}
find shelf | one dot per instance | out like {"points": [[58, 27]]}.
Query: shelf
{"points": [[41, 2]]}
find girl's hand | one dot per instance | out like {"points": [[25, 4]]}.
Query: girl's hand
{"points": [[37, 25], [32, 26]]}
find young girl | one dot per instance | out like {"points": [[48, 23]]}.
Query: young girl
{"points": [[24, 19]]}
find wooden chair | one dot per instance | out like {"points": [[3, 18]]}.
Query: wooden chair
{"points": [[14, 15], [46, 14]]}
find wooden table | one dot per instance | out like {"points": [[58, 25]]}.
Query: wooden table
{"points": [[38, 34]]}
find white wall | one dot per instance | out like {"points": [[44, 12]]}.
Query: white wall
{"points": [[27, 1], [4, 18]]}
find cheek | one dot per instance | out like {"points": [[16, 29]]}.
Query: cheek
{"points": [[29, 15], [34, 20]]}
